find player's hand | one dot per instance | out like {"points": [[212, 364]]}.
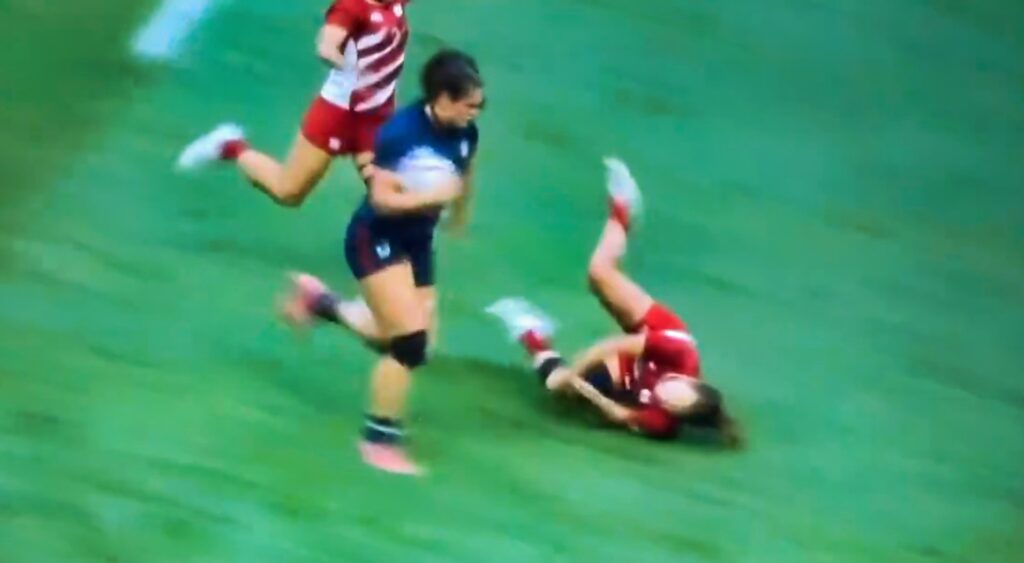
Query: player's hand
{"points": [[457, 221]]}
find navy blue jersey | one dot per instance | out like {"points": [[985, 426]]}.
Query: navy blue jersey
{"points": [[409, 133]]}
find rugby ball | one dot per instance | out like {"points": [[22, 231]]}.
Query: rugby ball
{"points": [[423, 170]]}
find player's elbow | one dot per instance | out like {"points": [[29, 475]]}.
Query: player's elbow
{"points": [[326, 52], [329, 43], [557, 384]]}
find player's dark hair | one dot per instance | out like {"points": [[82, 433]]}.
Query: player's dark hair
{"points": [[729, 430], [706, 409], [450, 72], [709, 412]]}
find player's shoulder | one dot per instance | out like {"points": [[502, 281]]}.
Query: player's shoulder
{"points": [[346, 12], [472, 133], [402, 132], [351, 4], [407, 121], [654, 422]]}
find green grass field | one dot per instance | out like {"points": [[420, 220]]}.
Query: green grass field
{"points": [[836, 204]]}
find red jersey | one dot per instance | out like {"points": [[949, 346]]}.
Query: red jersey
{"points": [[665, 352], [374, 54]]}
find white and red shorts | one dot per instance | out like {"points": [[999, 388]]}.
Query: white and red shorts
{"points": [[341, 131]]}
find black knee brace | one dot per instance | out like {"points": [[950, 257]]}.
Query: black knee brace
{"points": [[410, 350]]}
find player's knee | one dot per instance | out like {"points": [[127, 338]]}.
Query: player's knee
{"points": [[291, 199], [292, 196], [410, 350], [597, 272], [291, 191]]}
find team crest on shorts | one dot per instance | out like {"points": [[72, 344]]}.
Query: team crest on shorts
{"points": [[464, 148], [398, 10], [383, 250]]}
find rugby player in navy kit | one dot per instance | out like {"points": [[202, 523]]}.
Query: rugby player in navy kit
{"points": [[389, 245]]}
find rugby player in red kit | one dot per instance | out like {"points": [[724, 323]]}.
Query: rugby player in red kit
{"points": [[647, 379]]}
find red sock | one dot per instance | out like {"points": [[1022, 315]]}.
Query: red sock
{"points": [[232, 149], [534, 342], [619, 212]]}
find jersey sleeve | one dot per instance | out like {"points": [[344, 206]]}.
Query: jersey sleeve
{"points": [[345, 13], [388, 148], [653, 422], [474, 140]]}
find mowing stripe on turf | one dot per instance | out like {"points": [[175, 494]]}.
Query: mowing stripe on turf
{"points": [[163, 35]]}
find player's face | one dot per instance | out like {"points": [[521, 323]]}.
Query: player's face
{"points": [[677, 394], [461, 112]]}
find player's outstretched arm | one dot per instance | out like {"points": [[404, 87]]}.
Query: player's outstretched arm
{"points": [[612, 411], [572, 378], [389, 198], [329, 43], [631, 344]]}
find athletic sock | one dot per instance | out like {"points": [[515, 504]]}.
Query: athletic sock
{"points": [[534, 342], [232, 149], [545, 363], [325, 307], [619, 212], [382, 430]]}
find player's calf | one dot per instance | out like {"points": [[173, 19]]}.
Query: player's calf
{"points": [[310, 299], [600, 271], [383, 433]]}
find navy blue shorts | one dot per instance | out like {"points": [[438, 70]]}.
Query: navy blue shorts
{"points": [[372, 245]]}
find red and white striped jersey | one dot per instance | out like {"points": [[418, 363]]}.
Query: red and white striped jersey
{"points": [[374, 54]]}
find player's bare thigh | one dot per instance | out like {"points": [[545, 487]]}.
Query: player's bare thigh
{"points": [[622, 297], [428, 297], [428, 300], [305, 166], [392, 296], [361, 319]]}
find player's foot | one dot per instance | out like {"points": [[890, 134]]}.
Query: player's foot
{"points": [[297, 305], [520, 317], [389, 458], [623, 189], [211, 147]]}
